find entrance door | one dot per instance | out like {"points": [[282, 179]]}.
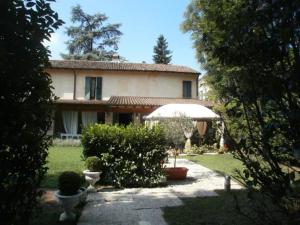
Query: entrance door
{"points": [[125, 118]]}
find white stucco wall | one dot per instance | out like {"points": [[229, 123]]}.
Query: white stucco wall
{"points": [[63, 83], [114, 83]]}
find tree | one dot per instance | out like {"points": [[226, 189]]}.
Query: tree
{"points": [[250, 50], [161, 52], [26, 104], [91, 39]]}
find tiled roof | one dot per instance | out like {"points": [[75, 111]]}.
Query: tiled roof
{"points": [[119, 66], [136, 101], [153, 101], [81, 102]]}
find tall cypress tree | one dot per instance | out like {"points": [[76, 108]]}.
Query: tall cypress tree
{"points": [[161, 53]]}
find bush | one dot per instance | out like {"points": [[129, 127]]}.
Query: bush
{"points": [[94, 164], [196, 150], [205, 149], [69, 183], [25, 103], [132, 154]]}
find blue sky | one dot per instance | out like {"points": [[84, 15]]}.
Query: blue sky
{"points": [[142, 22]]}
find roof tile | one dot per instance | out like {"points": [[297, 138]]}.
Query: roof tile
{"points": [[119, 66]]}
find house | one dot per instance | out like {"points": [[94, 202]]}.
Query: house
{"points": [[116, 92]]}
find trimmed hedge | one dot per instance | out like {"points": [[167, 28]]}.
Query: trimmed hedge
{"points": [[132, 154]]}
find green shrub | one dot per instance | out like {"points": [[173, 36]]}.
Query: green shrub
{"points": [[132, 154], [69, 182], [94, 163], [205, 149], [196, 150], [26, 99]]}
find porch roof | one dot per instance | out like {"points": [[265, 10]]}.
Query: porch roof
{"points": [[153, 101], [136, 101]]}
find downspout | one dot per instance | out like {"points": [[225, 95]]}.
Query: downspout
{"points": [[197, 85], [74, 89]]}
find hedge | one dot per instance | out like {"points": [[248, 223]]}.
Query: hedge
{"points": [[132, 154]]}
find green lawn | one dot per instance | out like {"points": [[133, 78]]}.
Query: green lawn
{"points": [[212, 210], [62, 159], [221, 163], [209, 210]]}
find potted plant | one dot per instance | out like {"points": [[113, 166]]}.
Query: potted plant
{"points": [[92, 174], [68, 194], [174, 129]]}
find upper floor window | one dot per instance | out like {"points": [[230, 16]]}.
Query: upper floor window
{"points": [[187, 89], [93, 88]]}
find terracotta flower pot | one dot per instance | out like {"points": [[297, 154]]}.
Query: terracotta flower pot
{"points": [[176, 173]]}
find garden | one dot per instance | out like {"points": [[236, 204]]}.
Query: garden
{"points": [[133, 156]]}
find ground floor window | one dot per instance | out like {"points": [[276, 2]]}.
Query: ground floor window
{"points": [[72, 122]]}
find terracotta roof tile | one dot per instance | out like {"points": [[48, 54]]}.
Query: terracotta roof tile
{"points": [[153, 101], [80, 102], [119, 66], [136, 101]]}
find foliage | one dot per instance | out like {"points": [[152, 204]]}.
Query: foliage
{"points": [[132, 154], [161, 53], [204, 149], [92, 39], [250, 50], [175, 128], [94, 164], [69, 183], [58, 142], [26, 104], [195, 150]]}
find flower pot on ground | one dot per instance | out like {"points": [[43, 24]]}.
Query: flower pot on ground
{"points": [[175, 173], [94, 165], [68, 194]]}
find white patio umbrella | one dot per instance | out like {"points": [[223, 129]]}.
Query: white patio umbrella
{"points": [[194, 111]]}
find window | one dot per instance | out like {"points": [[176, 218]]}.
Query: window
{"points": [[187, 89], [93, 88]]}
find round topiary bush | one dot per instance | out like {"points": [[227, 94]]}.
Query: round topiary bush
{"points": [[69, 183], [94, 163]]}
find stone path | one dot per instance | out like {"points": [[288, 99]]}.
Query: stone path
{"points": [[142, 206]]}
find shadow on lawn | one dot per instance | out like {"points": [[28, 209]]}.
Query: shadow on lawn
{"points": [[209, 210]]}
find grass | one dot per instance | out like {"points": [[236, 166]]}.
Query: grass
{"points": [[221, 163], [209, 210], [62, 159]]}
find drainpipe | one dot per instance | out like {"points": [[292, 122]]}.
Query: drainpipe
{"points": [[197, 86], [74, 90]]}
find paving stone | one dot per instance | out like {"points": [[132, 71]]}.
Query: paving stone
{"points": [[143, 206]]}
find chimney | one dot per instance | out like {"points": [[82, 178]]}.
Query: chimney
{"points": [[115, 58]]}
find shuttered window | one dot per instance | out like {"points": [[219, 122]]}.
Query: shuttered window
{"points": [[187, 89], [93, 88]]}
